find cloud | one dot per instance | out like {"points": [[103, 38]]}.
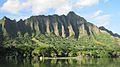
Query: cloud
{"points": [[97, 13], [63, 10], [13, 6], [100, 19], [39, 6], [103, 20], [86, 3], [42, 6]]}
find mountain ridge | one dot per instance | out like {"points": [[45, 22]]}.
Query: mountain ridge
{"points": [[56, 36], [63, 25]]}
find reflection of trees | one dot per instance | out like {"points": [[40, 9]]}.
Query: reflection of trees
{"points": [[82, 62], [79, 62]]}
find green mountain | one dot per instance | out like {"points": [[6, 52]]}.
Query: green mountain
{"points": [[69, 34], [64, 26]]}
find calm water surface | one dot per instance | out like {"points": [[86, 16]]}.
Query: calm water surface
{"points": [[100, 62]]}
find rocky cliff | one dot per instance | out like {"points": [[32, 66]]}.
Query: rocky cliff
{"points": [[65, 26]]}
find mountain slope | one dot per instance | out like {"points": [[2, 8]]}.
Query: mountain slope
{"points": [[54, 35], [64, 26]]}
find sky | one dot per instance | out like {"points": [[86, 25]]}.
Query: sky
{"points": [[99, 12]]}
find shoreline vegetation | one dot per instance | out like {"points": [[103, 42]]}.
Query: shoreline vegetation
{"points": [[55, 46]]}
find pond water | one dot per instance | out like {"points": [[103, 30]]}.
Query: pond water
{"points": [[84, 62]]}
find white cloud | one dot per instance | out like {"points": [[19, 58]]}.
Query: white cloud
{"points": [[41, 6], [97, 13], [86, 3], [63, 10], [13, 6], [99, 18], [103, 20]]}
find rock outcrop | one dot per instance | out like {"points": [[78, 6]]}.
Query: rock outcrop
{"points": [[65, 26]]}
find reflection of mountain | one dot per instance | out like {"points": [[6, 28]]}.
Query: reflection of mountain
{"points": [[64, 26]]}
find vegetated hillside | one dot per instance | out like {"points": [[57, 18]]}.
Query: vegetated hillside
{"points": [[54, 35]]}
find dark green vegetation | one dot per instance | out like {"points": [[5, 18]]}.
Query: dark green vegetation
{"points": [[56, 46], [56, 36]]}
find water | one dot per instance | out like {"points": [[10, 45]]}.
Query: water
{"points": [[100, 62]]}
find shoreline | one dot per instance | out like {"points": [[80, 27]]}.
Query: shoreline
{"points": [[58, 57]]}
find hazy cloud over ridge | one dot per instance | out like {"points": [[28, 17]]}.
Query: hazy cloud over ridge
{"points": [[39, 6]]}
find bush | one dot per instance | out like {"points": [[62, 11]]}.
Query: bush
{"points": [[44, 51]]}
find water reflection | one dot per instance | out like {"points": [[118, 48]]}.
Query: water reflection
{"points": [[100, 62]]}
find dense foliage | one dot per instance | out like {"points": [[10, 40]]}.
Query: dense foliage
{"points": [[49, 45]]}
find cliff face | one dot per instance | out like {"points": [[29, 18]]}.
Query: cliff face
{"points": [[65, 26], [8, 27]]}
